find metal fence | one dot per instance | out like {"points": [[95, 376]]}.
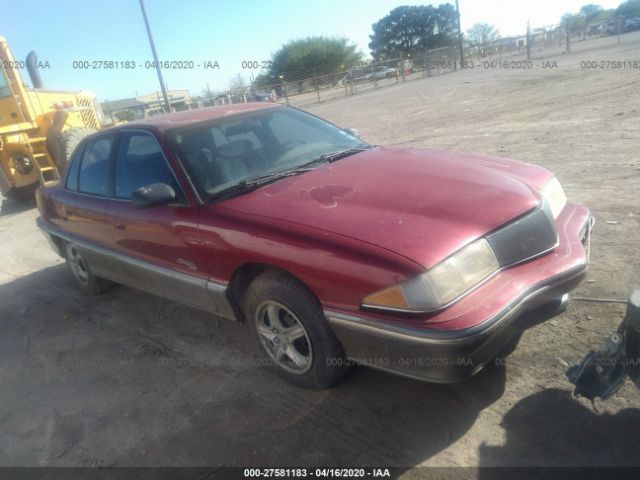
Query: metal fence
{"points": [[536, 42]]}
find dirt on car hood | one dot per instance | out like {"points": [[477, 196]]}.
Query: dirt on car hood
{"points": [[422, 204]]}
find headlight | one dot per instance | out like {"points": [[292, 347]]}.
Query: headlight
{"points": [[553, 193], [442, 284]]}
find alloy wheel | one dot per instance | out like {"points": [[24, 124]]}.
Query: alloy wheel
{"points": [[284, 337], [77, 264]]}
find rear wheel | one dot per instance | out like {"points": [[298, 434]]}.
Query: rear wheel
{"points": [[83, 276], [292, 331]]}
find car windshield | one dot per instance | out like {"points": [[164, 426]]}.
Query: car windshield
{"points": [[223, 153]]}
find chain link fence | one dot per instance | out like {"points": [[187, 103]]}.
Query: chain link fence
{"points": [[534, 43]]}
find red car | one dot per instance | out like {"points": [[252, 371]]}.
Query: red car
{"points": [[423, 263]]}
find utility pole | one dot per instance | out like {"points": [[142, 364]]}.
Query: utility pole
{"points": [[460, 37], [167, 104]]}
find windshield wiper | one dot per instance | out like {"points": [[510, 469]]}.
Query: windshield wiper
{"points": [[305, 167], [331, 157], [274, 176], [229, 192], [245, 186]]}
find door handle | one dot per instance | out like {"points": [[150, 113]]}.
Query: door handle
{"points": [[120, 226]]}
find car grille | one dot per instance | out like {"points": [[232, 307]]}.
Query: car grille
{"points": [[529, 236]]}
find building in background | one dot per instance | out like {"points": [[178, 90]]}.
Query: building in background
{"points": [[147, 105]]}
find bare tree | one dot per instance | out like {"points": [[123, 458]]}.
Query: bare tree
{"points": [[482, 35], [237, 84]]}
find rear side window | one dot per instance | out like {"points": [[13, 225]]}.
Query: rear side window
{"points": [[74, 168], [94, 170], [139, 163]]}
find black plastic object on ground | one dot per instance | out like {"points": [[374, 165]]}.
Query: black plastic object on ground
{"points": [[603, 372]]}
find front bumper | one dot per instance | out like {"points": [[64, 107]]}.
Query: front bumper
{"points": [[457, 342]]}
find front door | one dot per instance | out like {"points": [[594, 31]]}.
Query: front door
{"points": [[157, 246]]}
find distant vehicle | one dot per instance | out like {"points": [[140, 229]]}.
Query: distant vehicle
{"points": [[423, 263], [262, 97], [380, 73], [629, 25], [632, 24]]}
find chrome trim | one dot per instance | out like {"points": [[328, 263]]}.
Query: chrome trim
{"points": [[423, 335], [197, 292]]}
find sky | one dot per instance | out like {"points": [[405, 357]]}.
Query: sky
{"points": [[207, 31]]}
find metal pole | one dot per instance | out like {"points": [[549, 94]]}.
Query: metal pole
{"points": [[460, 44], [210, 96], [619, 28], [167, 105], [528, 40]]}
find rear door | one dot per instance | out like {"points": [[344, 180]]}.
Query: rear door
{"points": [[83, 201], [158, 245]]}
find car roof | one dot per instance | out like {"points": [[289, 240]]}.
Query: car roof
{"points": [[188, 117]]}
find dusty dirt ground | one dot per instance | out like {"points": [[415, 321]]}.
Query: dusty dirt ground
{"points": [[129, 379]]}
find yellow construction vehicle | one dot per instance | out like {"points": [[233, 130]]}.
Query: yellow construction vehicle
{"points": [[39, 128]]}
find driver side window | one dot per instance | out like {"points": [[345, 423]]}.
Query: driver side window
{"points": [[140, 162]]}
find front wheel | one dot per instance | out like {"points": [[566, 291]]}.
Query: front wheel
{"points": [[83, 276], [292, 331]]}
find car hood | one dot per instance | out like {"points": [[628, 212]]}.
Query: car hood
{"points": [[421, 204]]}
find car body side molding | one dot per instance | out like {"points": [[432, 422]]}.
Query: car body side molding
{"points": [[181, 287]]}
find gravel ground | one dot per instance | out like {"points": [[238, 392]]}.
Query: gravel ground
{"points": [[129, 379]]}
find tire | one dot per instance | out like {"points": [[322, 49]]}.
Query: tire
{"points": [[23, 194], [68, 140], [291, 330], [84, 279]]}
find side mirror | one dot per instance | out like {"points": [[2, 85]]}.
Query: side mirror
{"points": [[352, 131], [153, 196]]}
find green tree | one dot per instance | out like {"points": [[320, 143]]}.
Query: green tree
{"points": [[590, 12], [630, 8], [263, 80], [410, 30], [573, 22], [311, 56]]}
